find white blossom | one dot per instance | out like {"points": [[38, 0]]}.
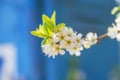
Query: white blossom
{"points": [[47, 49], [86, 44], [91, 38], [55, 39], [60, 35], [75, 50], [53, 48], [69, 32], [112, 31], [66, 43], [57, 49], [78, 39]]}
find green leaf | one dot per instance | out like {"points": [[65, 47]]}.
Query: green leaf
{"points": [[38, 34], [49, 29], [115, 10], [45, 18], [48, 24], [46, 41], [41, 32], [53, 18], [59, 27]]}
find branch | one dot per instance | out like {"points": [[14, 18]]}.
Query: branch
{"points": [[102, 37]]}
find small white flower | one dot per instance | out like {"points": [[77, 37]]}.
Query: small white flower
{"points": [[61, 35], [69, 32], [75, 50], [66, 43], [86, 44], [47, 49], [55, 39], [92, 38], [112, 31], [57, 49], [52, 50], [78, 39]]}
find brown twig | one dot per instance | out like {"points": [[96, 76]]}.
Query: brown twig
{"points": [[101, 37]]}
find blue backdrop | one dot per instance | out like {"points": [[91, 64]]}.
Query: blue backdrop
{"points": [[19, 17]]}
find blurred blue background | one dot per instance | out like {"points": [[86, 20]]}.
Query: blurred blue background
{"points": [[19, 17]]}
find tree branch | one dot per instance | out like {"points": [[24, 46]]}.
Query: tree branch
{"points": [[102, 37]]}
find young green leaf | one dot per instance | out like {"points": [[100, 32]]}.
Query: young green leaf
{"points": [[45, 18], [38, 34], [115, 10], [41, 32], [49, 29], [48, 24], [53, 18], [45, 41], [59, 27]]}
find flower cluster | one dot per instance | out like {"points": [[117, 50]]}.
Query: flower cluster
{"points": [[58, 39], [70, 41], [114, 31]]}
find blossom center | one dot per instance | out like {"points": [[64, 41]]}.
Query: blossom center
{"points": [[62, 37], [69, 35], [75, 48], [77, 40], [92, 39], [57, 48], [69, 42]]}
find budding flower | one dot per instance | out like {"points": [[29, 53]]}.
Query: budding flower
{"points": [[114, 31], [92, 38], [86, 44], [75, 50]]}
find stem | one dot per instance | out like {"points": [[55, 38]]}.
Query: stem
{"points": [[102, 37]]}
